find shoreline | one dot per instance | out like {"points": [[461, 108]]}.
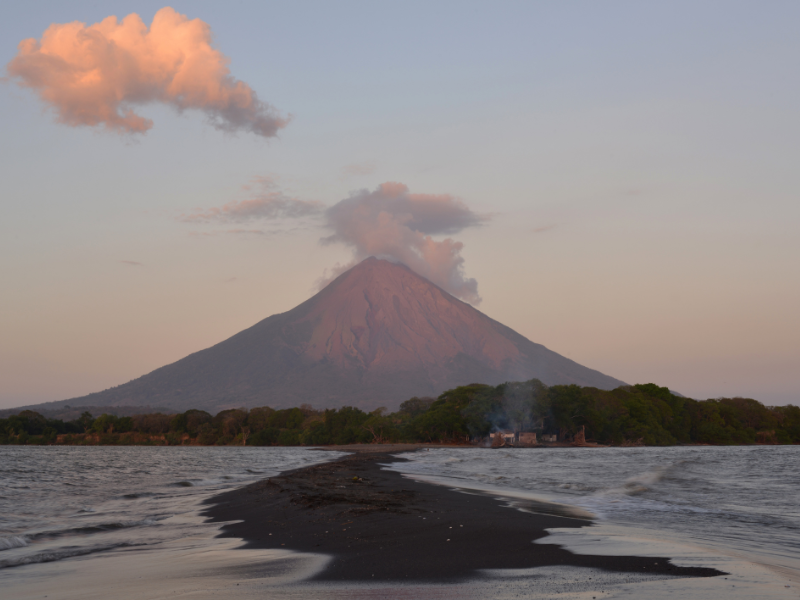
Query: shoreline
{"points": [[164, 440], [378, 525]]}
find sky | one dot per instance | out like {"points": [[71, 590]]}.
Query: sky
{"points": [[616, 181]]}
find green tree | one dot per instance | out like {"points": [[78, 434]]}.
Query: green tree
{"points": [[104, 423], [414, 407], [381, 427], [86, 421]]}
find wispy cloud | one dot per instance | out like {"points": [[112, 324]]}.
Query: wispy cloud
{"points": [[131, 263], [247, 231], [96, 75], [259, 232], [267, 202], [543, 229], [388, 222], [365, 168]]}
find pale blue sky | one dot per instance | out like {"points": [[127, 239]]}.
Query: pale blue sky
{"points": [[638, 161]]}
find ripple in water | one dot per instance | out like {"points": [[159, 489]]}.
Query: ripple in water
{"points": [[740, 499], [61, 503]]}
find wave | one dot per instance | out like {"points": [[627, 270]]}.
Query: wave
{"points": [[643, 482], [112, 526], [579, 487], [89, 529], [14, 541], [54, 555], [222, 479]]}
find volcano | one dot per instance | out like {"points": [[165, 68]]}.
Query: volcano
{"points": [[377, 335]]}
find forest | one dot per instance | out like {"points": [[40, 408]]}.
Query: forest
{"points": [[643, 414]]}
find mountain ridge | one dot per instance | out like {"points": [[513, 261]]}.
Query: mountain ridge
{"points": [[375, 336]]}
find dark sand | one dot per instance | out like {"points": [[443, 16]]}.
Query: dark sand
{"points": [[383, 526]]}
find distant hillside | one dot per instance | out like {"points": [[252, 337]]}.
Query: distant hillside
{"points": [[377, 335], [67, 412]]}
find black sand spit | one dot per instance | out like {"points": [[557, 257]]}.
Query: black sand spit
{"points": [[379, 525]]}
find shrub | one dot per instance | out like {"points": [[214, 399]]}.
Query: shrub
{"points": [[265, 437], [206, 435], [289, 437], [173, 438]]}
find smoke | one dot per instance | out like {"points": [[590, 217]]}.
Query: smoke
{"points": [[390, 222], [518, 407], [96, 75], [267, 202], [515, 406]]}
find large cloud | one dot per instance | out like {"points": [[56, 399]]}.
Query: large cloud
{"points": [[391, 222], [96, 75]]}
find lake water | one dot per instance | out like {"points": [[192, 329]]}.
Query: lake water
{"points": [[123, 522]]}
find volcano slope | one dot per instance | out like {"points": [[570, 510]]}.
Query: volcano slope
{"points": [[375, 336]]}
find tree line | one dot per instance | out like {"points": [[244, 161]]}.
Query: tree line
{"points": [[644, 414]]}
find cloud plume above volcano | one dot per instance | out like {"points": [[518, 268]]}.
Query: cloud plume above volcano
{"points": [[96, 75], [391, 222]]}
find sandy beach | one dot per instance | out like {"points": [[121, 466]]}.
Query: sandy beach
{"points": [[380, 526]]}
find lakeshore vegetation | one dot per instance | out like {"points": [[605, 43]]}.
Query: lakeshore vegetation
{"points": [[644, 414]]}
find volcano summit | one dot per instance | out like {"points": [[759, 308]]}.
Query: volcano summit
{"points": [[375, 336]]}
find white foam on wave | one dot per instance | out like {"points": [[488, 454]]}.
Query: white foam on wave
{"points": [[641, 482], [97, 528], [14, 541], [201, 566], [519, 499], [744, 577], [46, 556], [638, 493]]}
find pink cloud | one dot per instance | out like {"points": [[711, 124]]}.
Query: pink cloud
{"points": [[96, 75], [247, 231], [391, 222], [267, 202]]}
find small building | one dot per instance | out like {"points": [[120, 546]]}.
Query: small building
{"points": [[550, 438], [512, 438], [502, 438]]}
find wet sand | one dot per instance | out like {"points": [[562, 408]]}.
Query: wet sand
{"points": [[380, 526]]}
